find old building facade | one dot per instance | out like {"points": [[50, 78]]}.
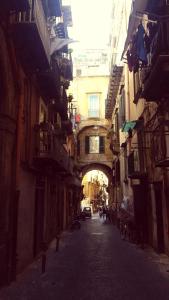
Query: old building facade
{"points": [[141, 110], [39, 182]]}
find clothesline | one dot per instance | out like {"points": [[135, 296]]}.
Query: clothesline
{"points": [[145, 19]]}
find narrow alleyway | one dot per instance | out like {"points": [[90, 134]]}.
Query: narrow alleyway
{"points": [[92, 263]]}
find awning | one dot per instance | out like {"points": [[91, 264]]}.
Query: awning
{"points": [[57, 44], [134, 21], [128, 126]]}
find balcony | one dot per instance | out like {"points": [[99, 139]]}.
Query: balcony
{"points": [[67, 126], [14, 5], [50, 153], [160, 145], [156, 74], [134, 168], [66, 68], [49, 82], [32, 38]]}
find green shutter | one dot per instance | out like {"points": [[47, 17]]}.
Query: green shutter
{"points": [[101, 144], [87, 144]]}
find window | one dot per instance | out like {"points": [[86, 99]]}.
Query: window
{"points": [[93, 106], [94, 144]]}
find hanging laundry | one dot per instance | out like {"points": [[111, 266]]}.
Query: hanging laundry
{"points": [[147, 43], [140, 45], [77, 118], [132, 57]]}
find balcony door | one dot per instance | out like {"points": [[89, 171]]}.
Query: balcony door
{"points": [[94, 144], [93, 106], [141, 209]]}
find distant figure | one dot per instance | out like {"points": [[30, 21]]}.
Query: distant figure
{"points": [[104, 212], [100, 212], [108, 214]]}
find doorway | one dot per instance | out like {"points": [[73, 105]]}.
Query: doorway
{"points": [[158, 191], [39, 215], [140, 210]]}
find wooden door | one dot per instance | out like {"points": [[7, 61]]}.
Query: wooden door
{"points": [[159, 216]]}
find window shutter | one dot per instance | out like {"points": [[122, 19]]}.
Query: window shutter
{"points": [[87, 144], [102, 144]]}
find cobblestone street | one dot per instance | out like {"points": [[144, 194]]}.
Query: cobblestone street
{"points": [[94, 263]]}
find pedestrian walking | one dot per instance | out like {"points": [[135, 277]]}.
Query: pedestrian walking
{"points": [[104, 213]]}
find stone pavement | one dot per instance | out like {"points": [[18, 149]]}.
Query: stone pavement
{"points": [[94, 263]]}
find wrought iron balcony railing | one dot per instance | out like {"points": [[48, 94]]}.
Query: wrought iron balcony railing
{"points": [[50, 150], [155, 75], [134, 170], [49, 83], [14, 5], [160, 146], [32, 35]]}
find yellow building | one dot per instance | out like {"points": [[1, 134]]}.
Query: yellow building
{"points": [[89, 89]]}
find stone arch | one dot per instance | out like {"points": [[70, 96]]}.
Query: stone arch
{"points": [[91, 127], [97, 166]]}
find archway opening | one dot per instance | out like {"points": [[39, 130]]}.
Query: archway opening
{"points": [[95, 186]]}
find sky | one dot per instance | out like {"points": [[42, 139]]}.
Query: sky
{"points": [[91, 23]]}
